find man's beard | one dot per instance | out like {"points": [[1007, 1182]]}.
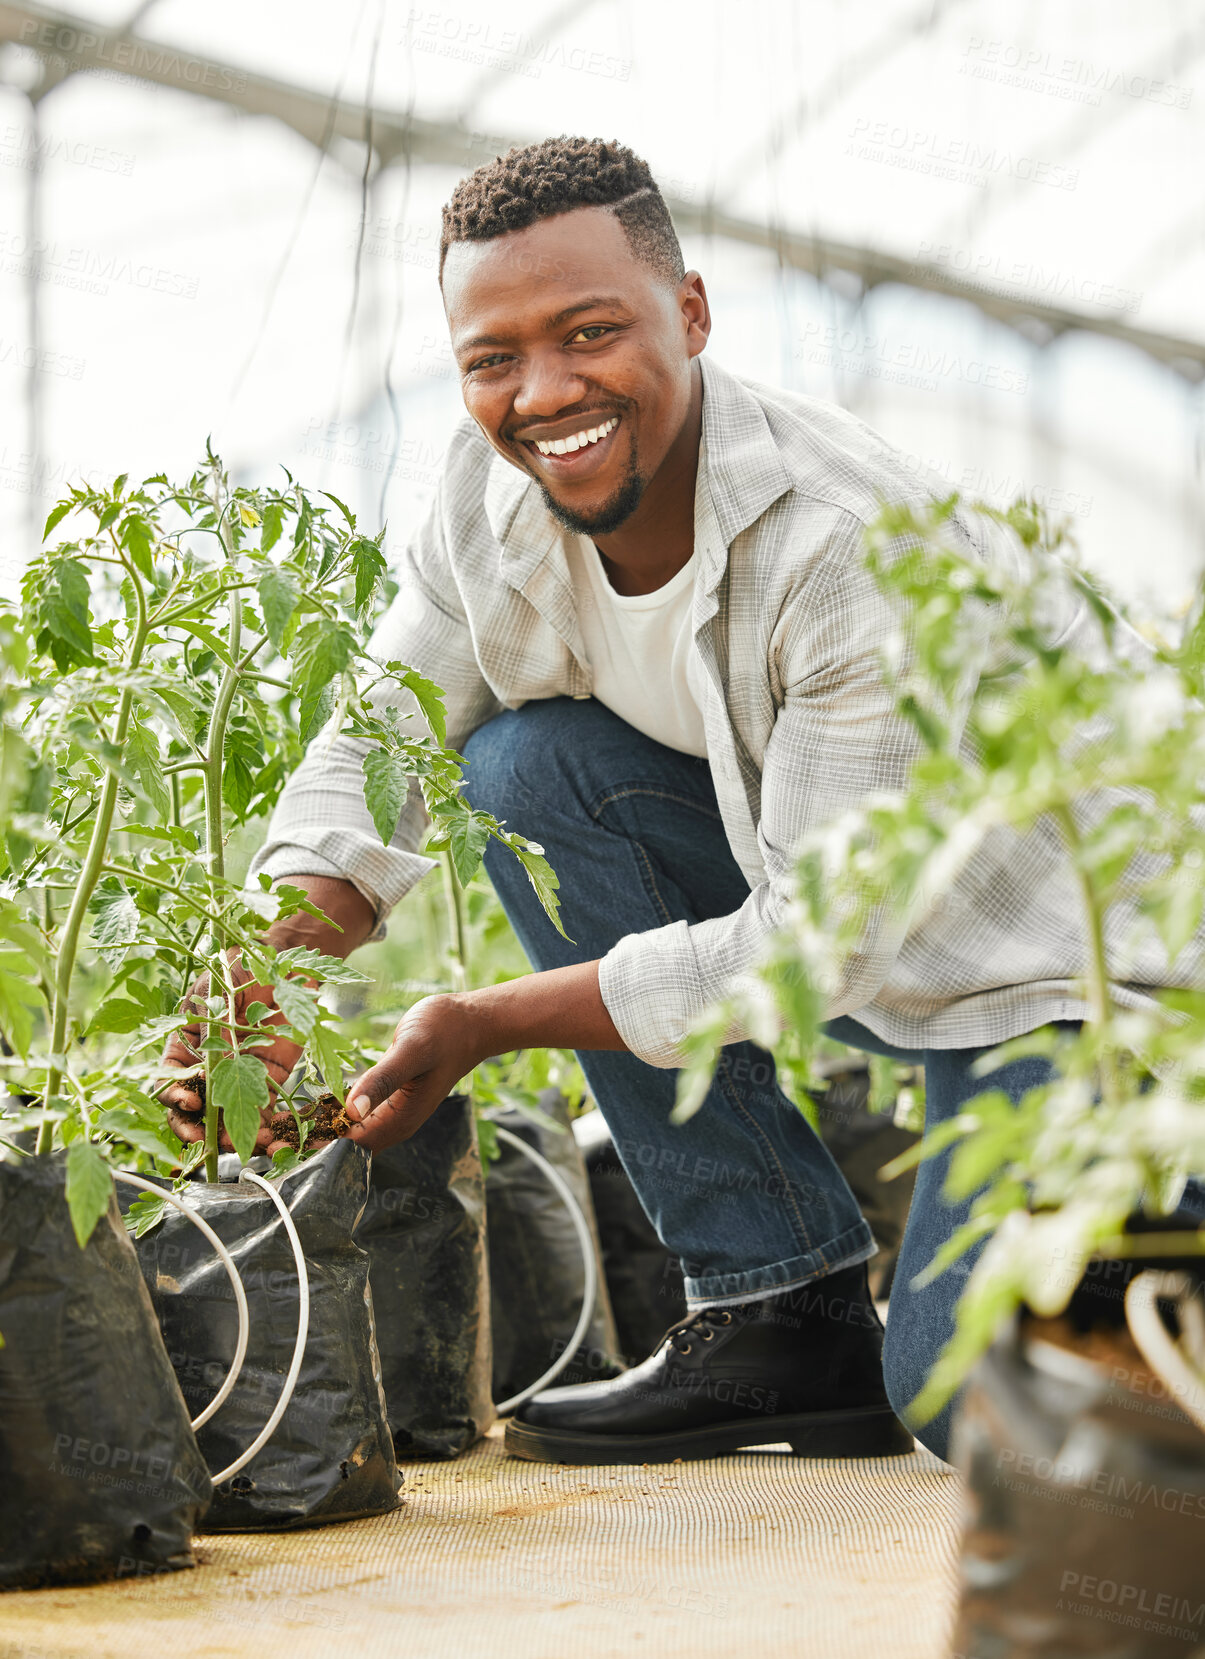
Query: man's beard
{"points": [[607, 518]]}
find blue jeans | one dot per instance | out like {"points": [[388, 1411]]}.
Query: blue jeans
{"points": [[744, 1192]]}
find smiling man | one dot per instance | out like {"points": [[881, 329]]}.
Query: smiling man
{"points": [[642, 586]]}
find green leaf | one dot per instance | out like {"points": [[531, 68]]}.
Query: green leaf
{"points": [[368, 566], [207, 637], [136, 538], [57, 514], [274, 517], [61, 613], [313, 712], [89, 1188], [468, 836], [320, 651], [386, 785], [544, 879], [116, 914], [328, 1052], [430, 699], [299, 1005], [145, 1212], [238, 782], [278, 596], [239, 1086], [343, 508], [142, 752], [20, 999]]}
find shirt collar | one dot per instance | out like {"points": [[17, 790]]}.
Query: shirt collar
{"points": [[741, 474]]}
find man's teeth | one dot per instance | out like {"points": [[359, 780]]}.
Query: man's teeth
{"points": [[566, 446]]}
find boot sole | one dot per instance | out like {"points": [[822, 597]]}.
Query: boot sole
{"points": [[870, 1432]]}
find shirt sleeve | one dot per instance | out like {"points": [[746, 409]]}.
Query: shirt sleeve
{"points": [[321, 824], [838, 738]]}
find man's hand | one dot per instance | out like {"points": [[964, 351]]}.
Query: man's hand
{"points": [[442, 1038], [353, 917], [185, 1108]]}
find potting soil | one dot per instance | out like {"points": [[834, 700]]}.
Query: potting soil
{"points": [[100, 1474], [331, 1456], [424, 1230]]}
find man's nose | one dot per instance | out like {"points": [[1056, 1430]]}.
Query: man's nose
{"points": [[549, 385]]}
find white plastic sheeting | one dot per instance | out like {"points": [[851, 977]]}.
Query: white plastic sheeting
{"points": [[196, 269]]}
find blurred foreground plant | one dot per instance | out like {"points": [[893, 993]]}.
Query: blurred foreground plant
{"points": [[1020, 726]]}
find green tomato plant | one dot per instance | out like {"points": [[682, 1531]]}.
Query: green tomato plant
{"points": [[168, 666], [1017, 727]]}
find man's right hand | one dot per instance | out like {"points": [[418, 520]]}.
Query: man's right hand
{"points": [[354, 918]]}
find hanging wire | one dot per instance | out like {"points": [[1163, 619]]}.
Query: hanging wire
{"points": [[298, 223], [366, 174], [391, 396]]}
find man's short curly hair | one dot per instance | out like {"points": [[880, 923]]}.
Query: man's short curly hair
{"points": [[555, 176]]}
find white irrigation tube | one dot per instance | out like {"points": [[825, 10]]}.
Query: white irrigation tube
{"points": [[303, 1331], [590, 1289], [227, 1260], [1184, 1385]]}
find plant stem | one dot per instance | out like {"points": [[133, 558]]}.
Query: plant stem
{"points": [[1098, 966], [454, 896], [89, 876], [215, 754]]}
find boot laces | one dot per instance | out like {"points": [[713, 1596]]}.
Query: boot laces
{"points": [[702, 1325]]}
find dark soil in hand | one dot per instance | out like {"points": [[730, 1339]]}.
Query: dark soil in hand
{"points": [[195, 1085], [328, 1121]]}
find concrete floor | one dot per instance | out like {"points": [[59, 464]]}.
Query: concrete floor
{"points": [[761, 1554]]}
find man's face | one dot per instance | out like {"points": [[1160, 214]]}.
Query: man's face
{"points": [[575, 359]]}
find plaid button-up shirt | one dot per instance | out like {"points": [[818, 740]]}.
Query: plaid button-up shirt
{"points": [[790, 627]]}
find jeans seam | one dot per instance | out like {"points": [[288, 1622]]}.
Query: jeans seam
{"points": [[596, 806], [768, 1151]]}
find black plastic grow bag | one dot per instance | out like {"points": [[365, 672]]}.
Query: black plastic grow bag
{"points": [[331, 1456], [536, 1274], [1086, 1506], [424, 1230], [644, 1279], [100, 1474]]}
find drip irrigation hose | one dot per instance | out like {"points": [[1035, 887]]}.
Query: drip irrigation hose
{"points": [[303, 1331], [590, 1270], [1185, 1385], [227, 1260]]}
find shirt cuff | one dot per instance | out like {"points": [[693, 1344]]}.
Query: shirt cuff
{"points": [[382, 874], [652, 989]]}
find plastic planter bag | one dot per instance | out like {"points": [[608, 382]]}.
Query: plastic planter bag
{"points": [[424, 1230], [644, 1279], [100, 1475], [536, 1277], [331, 1456]]}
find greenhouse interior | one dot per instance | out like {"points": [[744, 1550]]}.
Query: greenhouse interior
{"points": [[602, 932]]}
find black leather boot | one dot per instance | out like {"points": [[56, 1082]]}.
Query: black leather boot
{"points": [[802, 1367]]}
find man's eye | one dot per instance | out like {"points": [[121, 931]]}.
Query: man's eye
{"points": [[487, 362], [592, 331]]}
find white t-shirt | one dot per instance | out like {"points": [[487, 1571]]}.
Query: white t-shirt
{"points": [[640, 648]]}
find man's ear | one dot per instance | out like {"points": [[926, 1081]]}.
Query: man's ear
{"points": [[696, 312]]}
